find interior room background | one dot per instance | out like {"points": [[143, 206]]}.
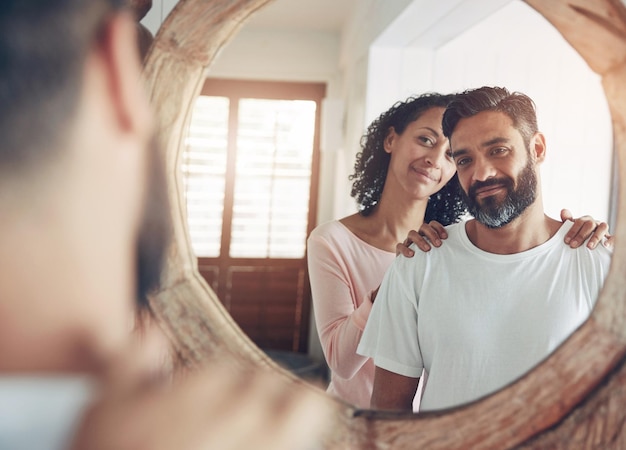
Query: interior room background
{"points": [[368, 54]]}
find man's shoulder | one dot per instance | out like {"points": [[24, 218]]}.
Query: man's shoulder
{"points": [[456, 228], [457, 237], [451, 247], [600, 255]]}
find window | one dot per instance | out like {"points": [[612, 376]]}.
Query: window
{"points": [[273, 178], [204, 170], [250, 178]]}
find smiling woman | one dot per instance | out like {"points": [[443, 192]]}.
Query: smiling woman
{"points": [[562, 403]]}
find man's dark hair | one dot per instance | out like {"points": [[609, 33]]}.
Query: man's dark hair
{"points": [[519, 107], [43, 45], [372, 162]]}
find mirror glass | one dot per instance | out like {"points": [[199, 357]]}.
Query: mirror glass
{"points": [[364, 70]]}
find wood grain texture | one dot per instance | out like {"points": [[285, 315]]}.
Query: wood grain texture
{"points": [[574, 399], [186, 308]]}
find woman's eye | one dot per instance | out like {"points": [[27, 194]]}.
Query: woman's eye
{"points": [[427, 141]]}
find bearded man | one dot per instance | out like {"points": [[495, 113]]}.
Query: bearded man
{"points": [[504, 292]]}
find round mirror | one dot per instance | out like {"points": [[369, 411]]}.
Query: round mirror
{"points": [[201, 330]]}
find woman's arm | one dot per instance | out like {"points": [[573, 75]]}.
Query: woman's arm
{"points": [[339, 320]]}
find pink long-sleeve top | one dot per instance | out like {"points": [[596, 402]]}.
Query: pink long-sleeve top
{"points": [[344, 270]]}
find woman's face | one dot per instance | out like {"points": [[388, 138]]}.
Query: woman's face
{"points": [[420, 157]]}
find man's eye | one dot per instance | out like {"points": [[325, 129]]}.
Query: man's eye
{"points": [[462, 161], [449, 154], [499, 150]]}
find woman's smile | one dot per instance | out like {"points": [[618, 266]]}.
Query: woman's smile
{"points": [[425, 173]]}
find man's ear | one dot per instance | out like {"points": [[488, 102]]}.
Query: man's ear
{"points": [[388, 142], [118, 44], [538, 147]]}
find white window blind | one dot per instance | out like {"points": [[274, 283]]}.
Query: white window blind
{"points": [[272, 179], [274, 154], [204, 173]]}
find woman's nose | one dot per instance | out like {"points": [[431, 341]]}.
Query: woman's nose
{"points": [[435, 157]]}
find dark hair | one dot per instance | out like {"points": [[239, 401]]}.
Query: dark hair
{"points": [[372, 162], [43, 45], [519, 107]]}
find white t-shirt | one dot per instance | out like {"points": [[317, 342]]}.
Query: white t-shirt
{"points": [[42, 412], [476, 321]]}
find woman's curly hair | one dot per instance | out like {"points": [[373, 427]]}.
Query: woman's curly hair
{"points": [[372, 162]]}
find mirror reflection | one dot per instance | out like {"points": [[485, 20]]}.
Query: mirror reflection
{"points": [[504, 289], [410, 48]]}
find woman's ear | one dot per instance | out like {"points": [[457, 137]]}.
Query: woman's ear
{"points": [[390, 139]]}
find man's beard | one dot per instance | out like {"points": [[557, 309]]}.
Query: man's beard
{"points": [[494, 213], [155, 229]]}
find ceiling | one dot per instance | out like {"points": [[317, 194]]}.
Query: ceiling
{"points": [[310, 15]]}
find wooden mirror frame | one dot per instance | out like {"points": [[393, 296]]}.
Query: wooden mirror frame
{"points": [[575, 399]]}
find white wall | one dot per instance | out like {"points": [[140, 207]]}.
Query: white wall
{"points": [[157, 14], [278, 55], [401, 57]]}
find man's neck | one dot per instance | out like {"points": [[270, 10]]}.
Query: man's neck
{"points": [[530, 229]]}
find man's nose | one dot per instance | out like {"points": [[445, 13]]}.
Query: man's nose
{"points": [[483, 171]]}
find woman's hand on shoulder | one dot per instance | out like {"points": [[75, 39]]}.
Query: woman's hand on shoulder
{"points": [[429, 234], [584, 228]]}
